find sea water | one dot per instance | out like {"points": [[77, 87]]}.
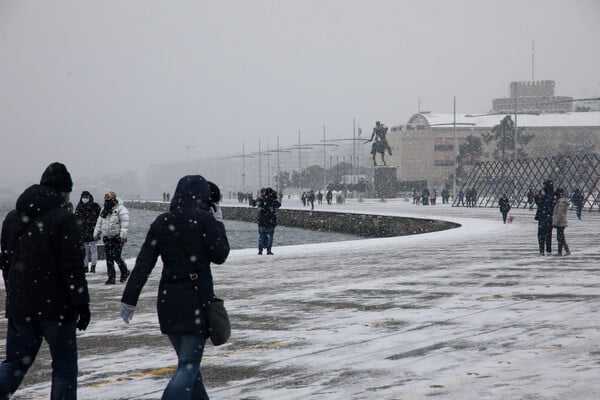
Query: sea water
{"points": [[240, 234]]}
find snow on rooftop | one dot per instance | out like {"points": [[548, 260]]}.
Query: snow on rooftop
{"points": [[569, 119]]}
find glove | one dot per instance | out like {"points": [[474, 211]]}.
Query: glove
{"points": [[84, 315], [126, 312], [216, 211]]}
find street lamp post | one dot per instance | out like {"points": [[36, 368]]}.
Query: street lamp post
{"points": [[455, 147], [279, 150], [324, 161], [455, 151]]}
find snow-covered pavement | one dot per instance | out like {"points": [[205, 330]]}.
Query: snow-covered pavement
{"points": [[470, 313]]}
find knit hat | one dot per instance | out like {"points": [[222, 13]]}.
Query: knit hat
{"points": [[57, 177]]}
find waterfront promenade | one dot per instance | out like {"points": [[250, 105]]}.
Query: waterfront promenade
{"points": [[468, 313]]}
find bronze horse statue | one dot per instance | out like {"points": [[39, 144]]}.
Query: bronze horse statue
{"points": [[380, 145]]}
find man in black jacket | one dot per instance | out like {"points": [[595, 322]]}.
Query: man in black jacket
{"points": [[545, 207], [46, 290]]}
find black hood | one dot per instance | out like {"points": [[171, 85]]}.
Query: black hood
{"points": [[39, 199], [192, 192], [87, 194], [549, 186]]}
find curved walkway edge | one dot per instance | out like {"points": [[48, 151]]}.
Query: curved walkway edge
{"points": [[366, 225]]}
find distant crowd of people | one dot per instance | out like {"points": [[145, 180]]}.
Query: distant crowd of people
{"points": [[428, 197]]}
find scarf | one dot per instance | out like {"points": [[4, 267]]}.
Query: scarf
{"points": [[108, 207]]}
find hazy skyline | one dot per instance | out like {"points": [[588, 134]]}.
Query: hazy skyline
{"points": [[115, 85]]}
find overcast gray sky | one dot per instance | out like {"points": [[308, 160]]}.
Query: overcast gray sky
{"points": [[114, 85]]}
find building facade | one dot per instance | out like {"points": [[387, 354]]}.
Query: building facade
{"points": [[425, 147]]}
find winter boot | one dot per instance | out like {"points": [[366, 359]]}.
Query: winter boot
{"points": [[86, 269], [93, 269], [124, 276], [111, 276]]}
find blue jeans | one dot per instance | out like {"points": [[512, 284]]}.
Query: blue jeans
{"points": [[187, 381], [23, 341], [265, 237]]}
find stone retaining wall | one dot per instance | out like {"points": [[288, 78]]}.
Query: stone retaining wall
{"points": [[366, 225]]}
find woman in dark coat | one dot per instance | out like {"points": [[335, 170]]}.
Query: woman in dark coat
{"points": [[88, 212], [189, 237], [504, 204]]}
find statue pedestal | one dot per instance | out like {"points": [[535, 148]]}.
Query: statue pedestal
{"points": [[384, 179]]}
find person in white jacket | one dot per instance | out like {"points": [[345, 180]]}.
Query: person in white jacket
{"points": [[112, 226]]}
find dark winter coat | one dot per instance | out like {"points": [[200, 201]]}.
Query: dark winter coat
{"points": [[88, 216], [267, 211], [42, 257], [577, 198], [203, 240], [545, 204], [504, 204]]}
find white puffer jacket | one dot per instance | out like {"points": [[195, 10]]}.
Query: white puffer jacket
{"points": [[115, 224]]}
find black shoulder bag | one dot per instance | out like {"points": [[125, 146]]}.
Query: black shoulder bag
{"points": [[219, 327]]}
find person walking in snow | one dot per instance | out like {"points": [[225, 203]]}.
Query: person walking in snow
{"points": [[577, 199], [329, 197], [545, 208], [310, 199], [267, 219], [461, 198], [445, 195], [559, 221], [504, 204], [112, 227], [425, 197], [530, 198], [46, 291], [188, 237], [88, 211]]}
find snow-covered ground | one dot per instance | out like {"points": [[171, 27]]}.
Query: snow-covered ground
{"points": [[470, 313]]}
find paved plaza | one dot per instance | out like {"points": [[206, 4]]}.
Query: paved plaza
{"points": [[469, 313]]}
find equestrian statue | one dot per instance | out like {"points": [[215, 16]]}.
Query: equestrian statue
{"points": [[380, 143]]}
